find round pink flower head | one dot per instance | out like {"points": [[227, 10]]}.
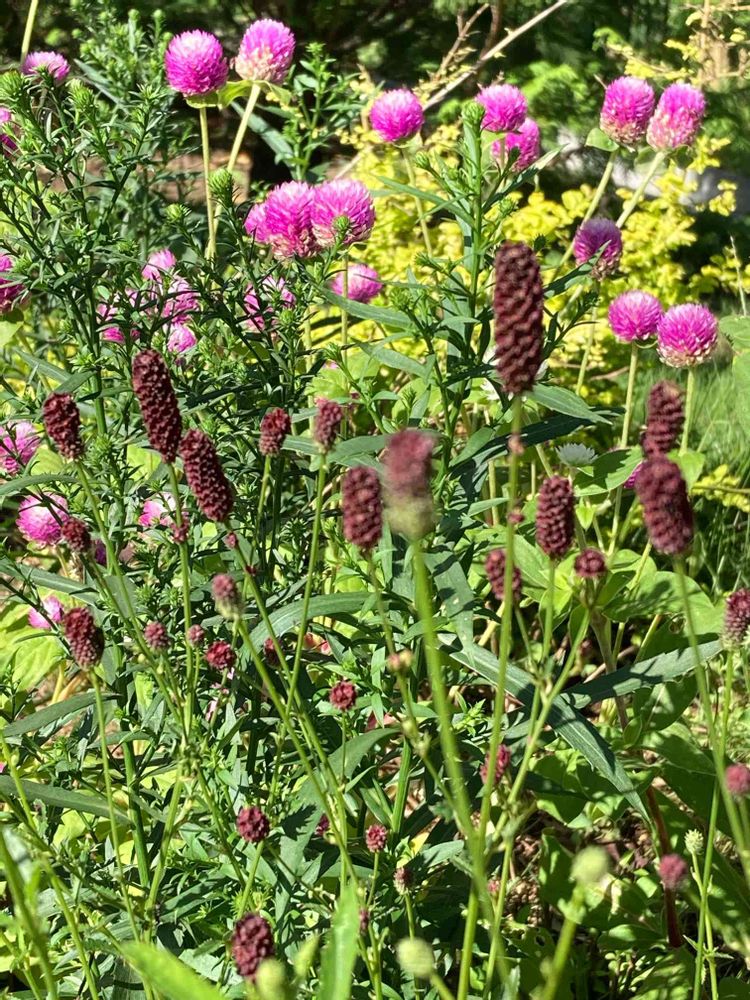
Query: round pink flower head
{"points": [[686, 335], [678, 117], [42, 520], [275, 295], [526, 140], [363, 283], [195, 63], [594, 236], [181, 339], [737, 779], [53, 613], [397, 115], [266, 52], [627, 106], [342, 213], [635, 315], [18, 445], [156, 511], [180, 300], [55, 64], [10, 291], [255, 223], [287, 226], [504, 107], [158, 263]]}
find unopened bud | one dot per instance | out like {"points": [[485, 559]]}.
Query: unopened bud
{"points": [[416, 957], [590, 866]]}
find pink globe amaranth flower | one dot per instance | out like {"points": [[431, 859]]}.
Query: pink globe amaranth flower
{"points": [[180, 300], [737, 778], [255, 223], [10, 291], [504, 107], [266, 52], [287, 220], [55, 64], [42, 520], [594, 236], [53, 613], [362, 283], [686, 335], [635, 315], [155, 511], [157, 264], [627, 107], [194, 63], [181, 339], [678, 117], [342, 213], [18, 445], [526, 140], [397, 115], [275, 295]]}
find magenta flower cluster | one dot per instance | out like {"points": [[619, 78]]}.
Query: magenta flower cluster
{"points": [[504, 107], [686, 335], [53, 62], [628, 114], [362, 283], [266, 52], [678, 117], [626, 110], [598, 236], [526, 139], [635, 315], [397, 115]]}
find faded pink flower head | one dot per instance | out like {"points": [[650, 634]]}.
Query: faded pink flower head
{"points": [[672, 871], [255, 223], [635, 315], [594, 236], [628, 104], [180, 300], [342, 213], [181, 339], [195, 63], [397, 115], [363, 283], [686, 335], [737, 779], [42, 520], [157, 510], [678, 117], [10, 291], [55, 64], [526, 140], [53, 609], [18, 445], [266, 52], [158, 262], [287, 220], [504, 107], [275, 295]]}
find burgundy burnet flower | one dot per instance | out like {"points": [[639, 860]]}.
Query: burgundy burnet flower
{"points": [[156, 398], [504, 107], [220, 656], [665, 417], [287, 224], [362, 283], [666, 506], [85, 638], [195, 63], [364, 920], [403, 879], [678, 117], [343, 695], [342, 213], [407, 469], [598, 236], [266, 52], [397, 115], [53, 62], [590, 564], [324, 825], [673, 871], [62, 421], [362, 507], [253, 825], [252, 943], [156, 636], [77, 536], [737, 778], [635, 315], [494, 566], [502, 759], [196, 635], [686, 335], [518, 307], [274, 427], [376, 837], [226, 595], [205, 476], [626, 109], [737, 616], [555, 516], [526, 139], [327, 423]]}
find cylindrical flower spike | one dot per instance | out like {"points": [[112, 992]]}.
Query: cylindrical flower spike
{"points": [[62, 422], [593, 237], [195, 63], [77, 536], [555, 516], [362, 507], [627, 107], [737, 617], [205, 476], [327, 423], [518, 308], [252, 824], [635, 315], [590, 564], [686, 335], [665, 417], [376, 837], [266, 52], [226, 596], [397, 115], [666, 506], [156, 397], [502, 759], [85, 638], [274, 427], [407, 468], [678, 117], [343, 695], [252, 942], [504, 107], [494, 566]]}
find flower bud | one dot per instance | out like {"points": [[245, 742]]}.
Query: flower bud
{"points": [[590, 866], [694, 842], [416, 957]]}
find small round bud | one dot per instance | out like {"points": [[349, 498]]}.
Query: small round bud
{"points": [[270, 980], [422, 161], [416, 958], [590, 866], [694, 842], [176, 213], [220, 183], [400, 663], [472, 113]]}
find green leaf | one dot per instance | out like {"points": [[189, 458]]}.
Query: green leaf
{"points": [[209, 100], [60, 798], [47, 716], [287, 618], [21, 484], [596, 139], [564, 401], [166, 974], [340, 951], [390, 318], [737, 330], [608, 471], [394, 359], [741, 372]]}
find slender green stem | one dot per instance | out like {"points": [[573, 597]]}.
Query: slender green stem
{"points": [[242, 128], [689, 403], [206, 150], [560, 959], [411, 174], [632, 203], [626, 424], [28, 30], [586, 351], [380, 602]]}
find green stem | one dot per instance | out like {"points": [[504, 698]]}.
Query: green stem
{"points": [[560, 958], [206, 150], [632, 203], [411, 174], [29, 29], [242, 128], [345, 295], [689, 402]]}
